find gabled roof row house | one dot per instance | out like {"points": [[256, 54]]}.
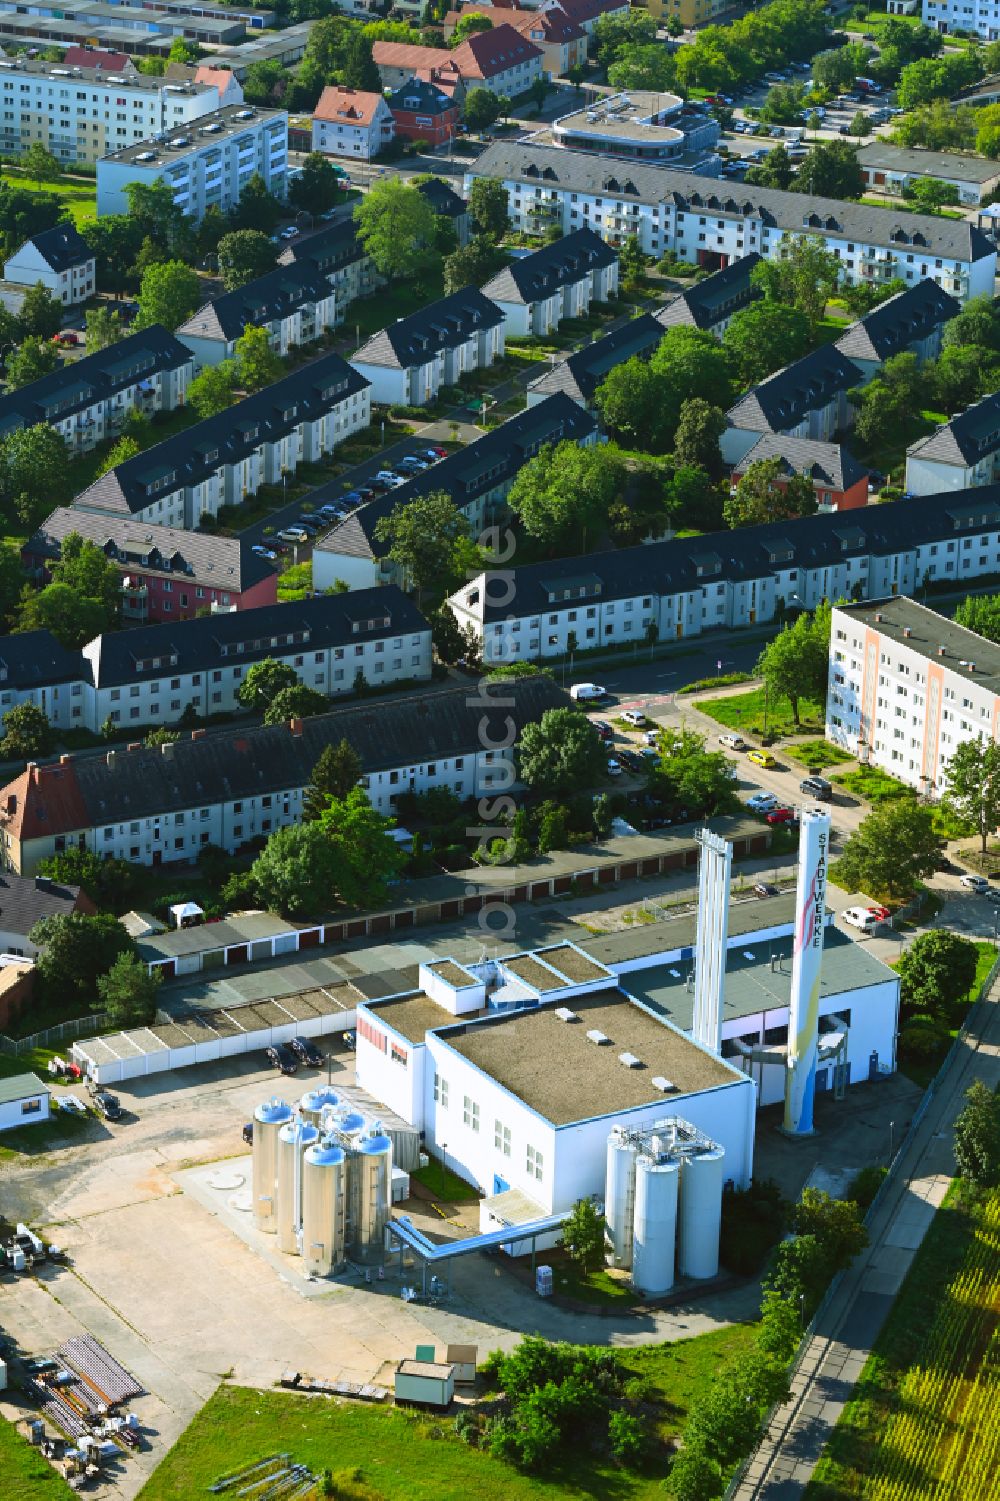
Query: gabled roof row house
{"points": [[411, 360], [536, 292], [295, 304], [500, 59]]}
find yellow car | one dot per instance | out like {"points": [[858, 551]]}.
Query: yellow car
{"points": [[761, 758]]}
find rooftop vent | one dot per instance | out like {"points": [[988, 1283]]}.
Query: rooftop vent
{"points": [[598, 1037], [630, 1060], [566, 1015], [665, 1086]]}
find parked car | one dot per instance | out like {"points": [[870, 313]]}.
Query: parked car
{"points": [[108, 1105], [587, 692], [629, 760], [294, 533], [634, 717], [733, 742], [762, 802], [652, 737], [433, 455], [975, 883], [861, 918], [282, 1057], [365, 491], [614, 767], [604, 730], [260, 551], [248, 1133], [350, 498], [764, 888], [411, 461], [880, 913], [68, 337], [782, 815], [291, 233], [311, 524], [330, 512], [817, 787], [761, 758], [307, 1051]]}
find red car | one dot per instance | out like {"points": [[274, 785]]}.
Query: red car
{"points": [[66, 337], [880, 914], [782, 815], [442, 453]]}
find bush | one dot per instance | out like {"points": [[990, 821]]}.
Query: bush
{"points": [[922, 1038], [753, 1221], [865, 1185], [627, 1438]]}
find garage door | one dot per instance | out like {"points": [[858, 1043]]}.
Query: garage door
{"points": [[237, 954], [309, 939]]}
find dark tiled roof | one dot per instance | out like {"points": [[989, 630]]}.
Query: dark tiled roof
{"points": [[579, 375], [77, 385], [719, 296], [35, 659], [218, 562], [443, 325], [828, 464], [277, 295], [687, 563], [440, 195], [545, 271], [895, 324], [328, 249], [973, 435], [191, 456], [781, 401], [491, 460], [250, 635], [25, 900], [62, 246], [424, 97], [217, 768]]}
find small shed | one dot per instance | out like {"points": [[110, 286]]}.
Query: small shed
{"points": [[24, 1100], [429, 1382], [464, 1359], [186, 914]]}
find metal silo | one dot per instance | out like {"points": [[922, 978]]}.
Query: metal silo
{"points": [[372, 1184], [655, 1225], [619, 1196], [349, 1124], [324, 1180], [268, 1119], [700, 1214], [315, 1101], [292, 1142]]}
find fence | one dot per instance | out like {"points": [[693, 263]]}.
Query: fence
{"points": [[83, 1026], [887, 1182]]}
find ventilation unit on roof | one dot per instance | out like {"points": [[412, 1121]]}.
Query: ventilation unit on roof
{"points": [[566, 1015], [599, 1037], [630, 1060], [665, 1086]]}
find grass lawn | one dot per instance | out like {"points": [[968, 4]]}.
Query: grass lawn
{"points": [[26, 1475], [874, 785], [817, 754], [888, 453], [35, 1061], [395, 1452], [371, 314], [63, 1130], [445, 1185], [922, 1422], [78, 198], [749, 711]]}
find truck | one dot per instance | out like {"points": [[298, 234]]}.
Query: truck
{"points": [[588, 692]]}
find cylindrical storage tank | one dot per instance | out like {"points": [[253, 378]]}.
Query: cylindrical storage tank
{"points": [[268, 1119], [655, 1227], [317, 1100], [292, 1142], [323, 1210], [348, 1123], [619, 1197], [373, 1170], [700, 1217]]}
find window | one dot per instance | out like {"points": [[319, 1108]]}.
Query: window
{"points": [[501, 1138], [470, 1113], [534, 1163], [31, 1107], [441, 1091]]}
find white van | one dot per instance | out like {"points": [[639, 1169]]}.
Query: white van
{"points": [[588, 692], [860, 917]]}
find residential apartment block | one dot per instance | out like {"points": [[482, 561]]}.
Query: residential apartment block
{"points": [[150, 675], [959, 455], [730, 580], [912, 322], [338, 254], [805, 400], [206, 164], [90, 400], [713, 303], [580, 373], [907, 687], [711, 223], [225, 458], [423, 112], [477, 477], [82, 113], [166, 574], [162, 805], [352, 123], [412, 359], [501, 59], [296, 304], [60, 259], [840, 481], [536, 292]]}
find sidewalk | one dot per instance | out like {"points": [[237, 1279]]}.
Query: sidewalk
{"points": [[846, 1331]]}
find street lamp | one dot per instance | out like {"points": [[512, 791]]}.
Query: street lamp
{"points": [[892, 1133], [444, 1165]]}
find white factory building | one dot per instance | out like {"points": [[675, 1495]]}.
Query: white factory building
{"points": [[207, 163], [907, 687]]}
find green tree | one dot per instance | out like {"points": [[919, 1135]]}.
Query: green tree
{"points": [[296, 702], [11, 580], [765, 337], [488, 208], [316, 188], [446, 634], [641, 401], [266, 82], [76, 950], [835, 1224], [335, 774], [86, 568], [40, 165], [973, 786], [837, 69], [689, 776], [422, 535], [648, 66], [29, 362], [214, 389], [473, 264], [104, 327], [560, 753], [358, 70], [365, 855], [257, 364], [128, 991], [109, 883], [977, 1137], [980, 613], [962, 374], [890, 399], [583, 1235], [258, 208], [169, 293], [120, 453], [553, 827], [566, 491], [632, 262], [978, 323], [929, 195], [805, 275], [182, 51], [294, 872], [895, 846], [766, 492], [784, 104], [263, 682], [41, 314], [483, 108], [466, 25], [396, 226], [936, 972], [628, 400], [794, 663], [830, 169], [775, 171], [244, 255], [33, 461], [27, 733], [696, 442], [71, 617]]}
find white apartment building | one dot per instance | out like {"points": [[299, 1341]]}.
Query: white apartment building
{"points": [[411, 360], [81, 114], [536, 292], [351, 123], [963, 454], [711, 223], [295, 304], [907, 687], [729, 580], [60, 259], [978, 17], [208, 162]]}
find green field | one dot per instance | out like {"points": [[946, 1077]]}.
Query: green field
{"points": [[923, 1420], [410, 1456], [874, 785], [24, 1474], [817, 754], [759, 712], [78, 198]]}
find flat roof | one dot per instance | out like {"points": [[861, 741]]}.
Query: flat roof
{"points": [[752, 984], [200, 134], [413, 1016], [554, 1068], [21, 1087], [242, 927], [929, 633], [952, 165]]}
